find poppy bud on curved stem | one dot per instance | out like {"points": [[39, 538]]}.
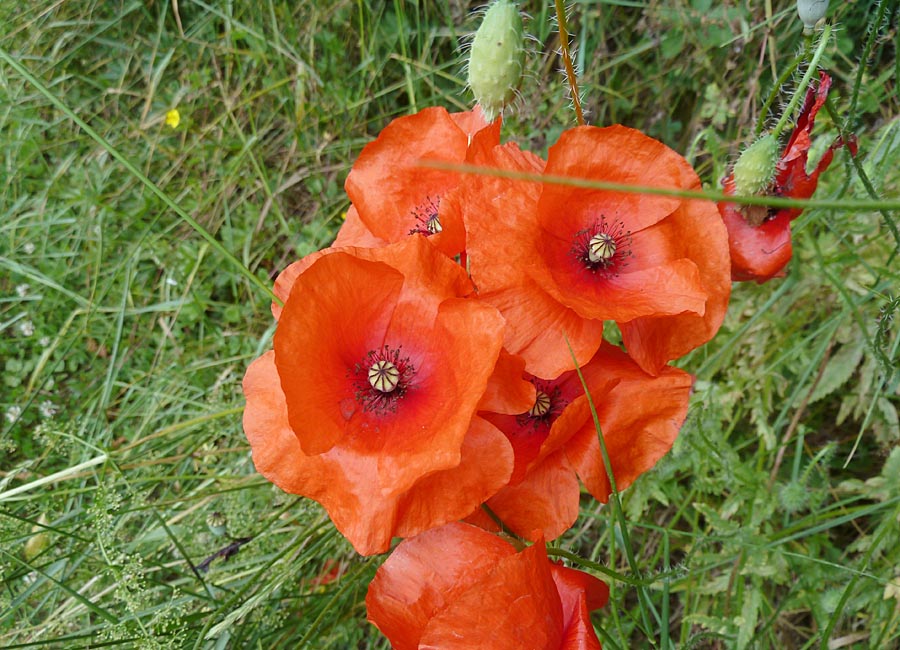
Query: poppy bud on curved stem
{"points": [[755, 169], [811, 12], [497, 58]]}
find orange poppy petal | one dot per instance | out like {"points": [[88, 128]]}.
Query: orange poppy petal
{"points": [[353, 232], [508, 391], [538, 328], [484, 468], [316, 344], [640, 419], [545, 502], [349, 484], [655, 340], [424, 574], [614, 154], [473, 122], [392, 191], [515, 606]]}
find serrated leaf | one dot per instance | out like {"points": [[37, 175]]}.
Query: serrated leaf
{"points": [[748, 619], [888, 429], [838, 370]]}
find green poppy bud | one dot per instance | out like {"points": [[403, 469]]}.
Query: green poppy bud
{"points": [[755, 169], [497, 58], [811, 12]]}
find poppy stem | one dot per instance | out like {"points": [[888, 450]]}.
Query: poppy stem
{"points": [[567, 60], [782, 79], [804, 82]]}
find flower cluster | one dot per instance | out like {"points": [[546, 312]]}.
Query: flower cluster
{"points": [[444, 359]]}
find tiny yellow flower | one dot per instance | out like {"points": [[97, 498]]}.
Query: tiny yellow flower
{"points": [[173, 118]]}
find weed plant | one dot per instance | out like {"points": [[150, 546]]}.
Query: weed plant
{"points": [[130, 512]]}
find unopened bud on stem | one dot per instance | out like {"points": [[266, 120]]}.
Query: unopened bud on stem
{"points": [[811, 12], [497, 58], [755, 169]]}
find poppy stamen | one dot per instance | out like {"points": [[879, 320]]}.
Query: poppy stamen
{"points": [[427, 220], [382, 379], [548, 404], [603, 247]]}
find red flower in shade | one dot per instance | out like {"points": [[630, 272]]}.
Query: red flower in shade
{"points": [[760, 237], [394, 196], [558, 260], [459, 587], [366, 403], [555, 441]]}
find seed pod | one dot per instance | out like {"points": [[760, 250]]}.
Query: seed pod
{"points": [[755, 169], [811, 12], [497, 58], [217, 524]]}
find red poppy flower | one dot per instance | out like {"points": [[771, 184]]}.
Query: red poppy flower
{"points": [[558, 260], [366, 403], [395, 196], [460, 587], [760, 237], [555, 441]]}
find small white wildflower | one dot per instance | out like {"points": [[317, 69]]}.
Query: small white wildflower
{"points": [[13, 413], [29, 248], [172, 282], [26, 328], [44, 341], [47, 409], [22, 290]]}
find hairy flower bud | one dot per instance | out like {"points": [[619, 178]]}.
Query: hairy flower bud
{"points": [[755, 169], [811, 12], [497, 58]]}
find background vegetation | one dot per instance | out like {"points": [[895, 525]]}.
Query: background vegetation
{"points": [[772, 524]]}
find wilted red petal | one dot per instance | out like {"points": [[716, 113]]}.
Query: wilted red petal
{"points": [[580, 593], [760, 252]]}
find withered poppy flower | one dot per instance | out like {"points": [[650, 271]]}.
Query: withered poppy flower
{"points": [[366, 403], [460, 587], [760, 237], [558, 260], [395, 196], [555, 441]]}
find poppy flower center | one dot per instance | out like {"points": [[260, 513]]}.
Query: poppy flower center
{"points": [[384, 376], [382, 379], [548, 404], [602, 247], [426, 215]]}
